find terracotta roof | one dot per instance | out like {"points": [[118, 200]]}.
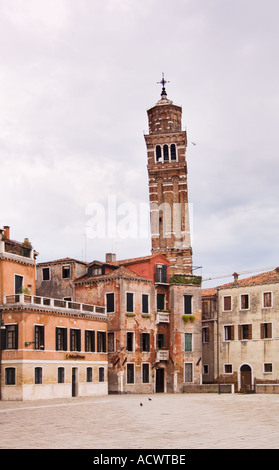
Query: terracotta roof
{"points": [[119, 272], [263, 278], [63, 260], [134, 260], [208, 292]]}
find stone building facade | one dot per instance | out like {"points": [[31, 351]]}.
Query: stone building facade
{"points": [[240, 341]]}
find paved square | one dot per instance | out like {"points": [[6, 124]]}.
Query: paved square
{"points": [[186, 421]]}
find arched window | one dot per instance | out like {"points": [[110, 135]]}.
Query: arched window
{"points": [[166, 152], [158, 153], [173, 152]]}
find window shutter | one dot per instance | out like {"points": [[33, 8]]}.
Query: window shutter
{"points": [[269, 330], [78, 340], [250, 331], [232, 332], [65, 339], [16, 336], [262, 330], [141, 341], [93, 341], [3, 339], [164, 273], [239, 332], [42, 337]]}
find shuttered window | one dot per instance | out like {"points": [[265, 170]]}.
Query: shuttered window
{"points": [[188, 372], [129, 341], [89, 337], [245, 332], [75, 344], [11, 337], [187, 305], [129, 302], [227, 303], [39, 334], [101, 341], [61, 339], [188, 341], [267, 299], [160, 301], [145, 342], [145, 307], [229, 332], [266, 330], [145, 373], [110, 302], [130, 373], [244, 301]]}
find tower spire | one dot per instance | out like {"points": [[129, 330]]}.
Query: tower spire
{"points": [[163, 82]]}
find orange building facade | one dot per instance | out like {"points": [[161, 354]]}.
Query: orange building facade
{"points": [[50, 348]]}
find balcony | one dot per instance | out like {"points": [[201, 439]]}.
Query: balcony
{"points": [[162, 317], [162, 355], [49, 303]]}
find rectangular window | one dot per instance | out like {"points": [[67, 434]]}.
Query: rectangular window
{"points": [[61, 375], [66, 272], [39, 335], [267, 299], [187, 305], [110, 302], [161, 340], [61, 339], [205, 369], [10, 376], [244, 301], [160, 301], [228, 368], [101, 374], [145, 303], [46, 274], [75, 336], [145, 342], [129, 302], [89, 337], [227, 303], [101, 341], [11, 336], [89, 374], [130, 373], [38, 375], [145, 373], [110, 342], [229, 332], [188, 367], [161, 273], [245, 332], [18, 284], [267, 367], [205, 334], [129, 341], [266, 330], [188, 342]]}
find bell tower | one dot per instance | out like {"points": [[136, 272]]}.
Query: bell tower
{"points": [[168, 191]]}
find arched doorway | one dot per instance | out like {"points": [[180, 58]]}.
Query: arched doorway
{"points": [[245, 378]]}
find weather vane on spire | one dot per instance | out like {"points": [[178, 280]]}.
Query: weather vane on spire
{"points": [[163, 82]]}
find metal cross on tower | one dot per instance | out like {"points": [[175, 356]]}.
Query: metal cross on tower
{"points": [[163, 82]]}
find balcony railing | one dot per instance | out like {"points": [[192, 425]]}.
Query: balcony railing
{"points": [[162, 355], [54, 303], [162, 317]]}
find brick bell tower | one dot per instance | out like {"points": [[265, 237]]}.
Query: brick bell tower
{"points": [[168, 191]]}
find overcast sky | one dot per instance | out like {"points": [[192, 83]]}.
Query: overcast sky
{"points": [[76, 80]]}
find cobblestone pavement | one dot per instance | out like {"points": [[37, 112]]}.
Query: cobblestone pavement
{"points": [[187, 421]]}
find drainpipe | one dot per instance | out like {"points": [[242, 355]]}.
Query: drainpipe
{"points": [[218, 357]]}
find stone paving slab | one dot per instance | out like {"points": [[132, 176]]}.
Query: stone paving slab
{"points": [[186, 421]]}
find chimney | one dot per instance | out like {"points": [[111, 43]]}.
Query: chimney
{"points": [[110, 257], [235, 275], [7, 231]]}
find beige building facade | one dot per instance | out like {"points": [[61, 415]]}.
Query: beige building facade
{"points": [[241, 338]]}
